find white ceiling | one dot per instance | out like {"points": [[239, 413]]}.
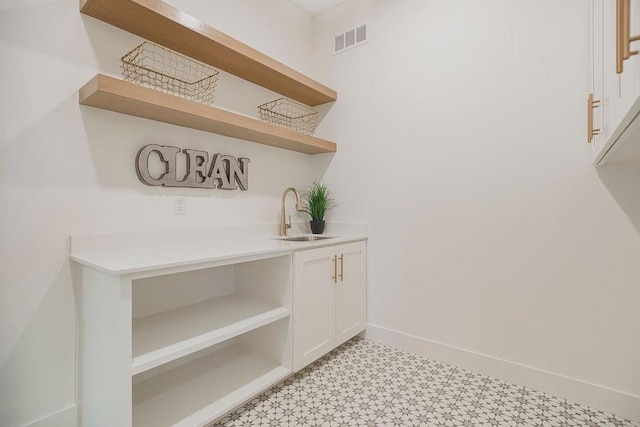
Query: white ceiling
{"points": [[316, 7]]}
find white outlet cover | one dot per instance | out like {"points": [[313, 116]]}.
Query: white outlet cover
{"points": [[179, 205]]}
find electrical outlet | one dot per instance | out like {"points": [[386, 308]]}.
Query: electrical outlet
{"points": [[179, 205]]}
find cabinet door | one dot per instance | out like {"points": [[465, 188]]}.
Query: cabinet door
{"points": [[313, 305], [600, 18], [620, 90], [351, 291], [629, 80]]}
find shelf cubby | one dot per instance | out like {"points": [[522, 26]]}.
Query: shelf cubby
{"points": [[175, 315], [168, 335], [207, 385], [109, 93]]}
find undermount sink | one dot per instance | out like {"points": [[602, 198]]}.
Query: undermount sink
{"points": [[305, 238]]}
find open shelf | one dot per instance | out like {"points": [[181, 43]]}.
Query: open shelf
{"points": [[163, 24], [202, 390], [162, 337], [182, 346], [113, 94]]}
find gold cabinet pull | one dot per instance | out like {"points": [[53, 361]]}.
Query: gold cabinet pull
{"points": [[619, 35], [591, 104], [335, 269], [623, 34], [342, 267]]}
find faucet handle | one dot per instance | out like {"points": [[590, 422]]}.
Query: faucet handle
{"points": [[289, 224]]}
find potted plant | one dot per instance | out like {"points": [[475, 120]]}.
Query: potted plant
{"points": [[317, 202]]}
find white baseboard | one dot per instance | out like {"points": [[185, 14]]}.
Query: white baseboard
{"points": [[593, 395], [67, 417]]}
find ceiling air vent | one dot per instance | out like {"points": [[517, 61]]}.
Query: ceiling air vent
{"points": [[350, 39]]}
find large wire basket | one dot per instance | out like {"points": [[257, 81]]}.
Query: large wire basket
{"points": [[162, 69], [289, 114]]}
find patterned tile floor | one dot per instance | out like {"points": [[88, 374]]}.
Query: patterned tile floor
{"points": [[363, 383]]}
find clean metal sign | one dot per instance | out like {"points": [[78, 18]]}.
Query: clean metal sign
{"points": [[200, 169]]}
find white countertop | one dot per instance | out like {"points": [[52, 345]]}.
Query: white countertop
{"points": [[127, 253]]}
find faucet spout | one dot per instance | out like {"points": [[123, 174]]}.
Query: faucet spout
{"points": [[283, 222]]}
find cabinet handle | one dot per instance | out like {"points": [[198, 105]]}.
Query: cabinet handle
{"points": [[342, 267], [619, 36], [623, 34], [627, 31], [591, 104], [335, 269]]}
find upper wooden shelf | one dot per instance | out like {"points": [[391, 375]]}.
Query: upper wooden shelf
{"points": [[117, 95], [161, 23]]}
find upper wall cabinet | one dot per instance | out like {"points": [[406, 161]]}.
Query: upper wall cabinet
{"points": [[613, 110], [596, 105], [161, 23], [329, 299]]}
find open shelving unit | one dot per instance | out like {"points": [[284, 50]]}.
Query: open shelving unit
{"points": [[182, 346], [162, 23], [165, 25], [113, 94]]}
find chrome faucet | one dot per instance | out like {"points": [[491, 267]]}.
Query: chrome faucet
{"points": [[283, 221]]}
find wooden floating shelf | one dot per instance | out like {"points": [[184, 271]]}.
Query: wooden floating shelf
{"points": [[117, 95], [161, 23]]}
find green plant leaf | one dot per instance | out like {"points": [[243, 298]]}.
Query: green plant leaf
{"points": [[318, 201]]}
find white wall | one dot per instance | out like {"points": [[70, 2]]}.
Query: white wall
{"points": [[66, 169], [461, 141], [461, 136]]}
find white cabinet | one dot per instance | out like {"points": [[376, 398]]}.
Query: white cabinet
{"points": [[624, 88], [181, 346], [314, 303], [177, 328], [329, 299], [619, 89], [619, 92], [351, 291]]}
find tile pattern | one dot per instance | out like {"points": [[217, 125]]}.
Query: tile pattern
{"points": [[363, 383]]}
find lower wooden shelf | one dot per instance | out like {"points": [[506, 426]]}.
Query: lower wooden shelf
{"points": [[200, 391], [117, 95]]}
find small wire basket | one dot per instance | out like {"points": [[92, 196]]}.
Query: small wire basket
{"points": [[290, 114], [162, 69]]}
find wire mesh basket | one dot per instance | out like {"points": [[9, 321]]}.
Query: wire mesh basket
{"points": [[289, 114], [162, 69]]}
